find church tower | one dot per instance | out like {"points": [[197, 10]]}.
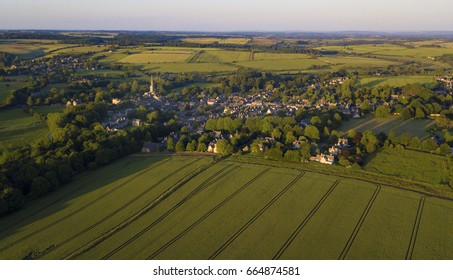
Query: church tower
{"points": [[151, 86]]}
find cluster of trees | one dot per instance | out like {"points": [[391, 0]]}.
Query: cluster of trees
{"points": [[77, 142]]}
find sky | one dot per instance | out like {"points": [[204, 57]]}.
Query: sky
{"points": [[229, 15]]}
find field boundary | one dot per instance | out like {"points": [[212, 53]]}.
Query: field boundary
{"points": [[360, 223], [205, 216], [80, 208], [304, 222], [413, 240], [206, 183], [255, 217]]}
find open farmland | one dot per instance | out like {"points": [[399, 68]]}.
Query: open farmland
{"points": [[157, 57], [282, 64], [18, 128], [30, 48], [223, 56], [157, 207], [189, 67], [414, 165], [221, 41], [414, 127], [14, 83], [356, 61], [399, 81]]}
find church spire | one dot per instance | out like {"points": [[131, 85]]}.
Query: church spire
{"points": [[151, 87]]}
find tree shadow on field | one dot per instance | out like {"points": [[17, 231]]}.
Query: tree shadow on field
{"points": [[82, 184]]}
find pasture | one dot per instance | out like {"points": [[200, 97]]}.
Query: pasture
{"points": [[18, 128], [398, 81], [396, 124], [11, 84], [413, 165], [156, 207]]}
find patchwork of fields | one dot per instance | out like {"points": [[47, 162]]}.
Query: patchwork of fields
{"points": [[156, 207]]}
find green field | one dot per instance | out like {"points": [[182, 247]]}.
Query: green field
{"points": [[18, 128], [157, 57], [221, 41], [413, 165], [282, 65], [223, 56], [356, 61], [15, 83], [30, 48], [189, 67], [396, 124], [156, 207], [399, 81]]}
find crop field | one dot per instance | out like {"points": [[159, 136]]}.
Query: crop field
{"points": [[282, 65], [221, 41], [356, 61], [396, 124], [223, 56], [29, 49], [18, 128], [189, 67], [186, 207], [79, 50], [157, 57], [414, 165], [276, 56], [363, 49], [399, 81]]}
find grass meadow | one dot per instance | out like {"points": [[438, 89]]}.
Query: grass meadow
{"points": [[18, 128], [413, 165], [387, 124]]}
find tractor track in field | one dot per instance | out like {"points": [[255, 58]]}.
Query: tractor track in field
{"points": [[205, 216], [212, 179], [110, 215], [80, 209], [413, 240], [59, 200], [360, 223], [255, 217], [123, 224], [304, 222], [195, 57]]}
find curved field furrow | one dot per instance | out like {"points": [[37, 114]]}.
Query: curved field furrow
{"points": [[304, 222], [410, 249], [207, 182], [112, 214], [205, 216], [360, 223], [80, 209], [254, 218]]}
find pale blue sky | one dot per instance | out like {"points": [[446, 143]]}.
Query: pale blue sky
{"points": [[229, 15]]}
